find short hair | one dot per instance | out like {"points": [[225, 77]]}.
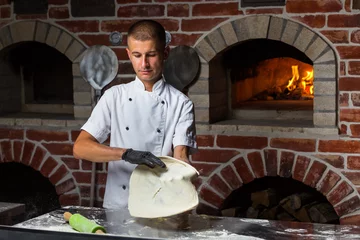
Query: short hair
{"points": [[144, 30]]}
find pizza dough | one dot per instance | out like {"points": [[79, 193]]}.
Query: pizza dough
{"points": [[162, 192]]}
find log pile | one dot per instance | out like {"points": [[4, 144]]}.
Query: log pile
{"points": [[300, 207]]}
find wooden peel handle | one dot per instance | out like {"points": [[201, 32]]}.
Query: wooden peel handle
{"points": [[67, 216]]}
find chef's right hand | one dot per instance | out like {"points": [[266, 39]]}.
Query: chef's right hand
{"points": [[142, 157]]}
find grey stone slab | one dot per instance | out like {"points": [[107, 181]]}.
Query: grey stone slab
{"points": [[28, 121], [41, 31], [200, 100], [75, 123], [76, 70], [53, 123], [7, 121], [201, 86], [303, 40], [290, 32], [325, 103], [258, 26], [204, 71], [324, 119], [216, 40], [5, 36], [329, 56], [82, 98], [82, 111], [64, 42], [316, 48], [80, 85], [53, 36], [205, 50], [324, 88], [275, 28], [325, 70], [202, 115], [23, 31], [229, 34]]}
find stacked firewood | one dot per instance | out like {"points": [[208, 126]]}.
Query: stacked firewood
{"points": [[300, 207]]}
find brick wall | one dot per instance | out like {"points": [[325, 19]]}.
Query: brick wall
{"points": [[229, 154]]}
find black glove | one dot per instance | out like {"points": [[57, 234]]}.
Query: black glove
{"points": [[141, 157]]}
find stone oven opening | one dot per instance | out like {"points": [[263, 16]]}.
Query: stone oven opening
{"points": [[277, 198], [37, 80], [269, 79], [23, 184]]}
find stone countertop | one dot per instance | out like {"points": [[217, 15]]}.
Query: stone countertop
{"points": [[189, 226]]}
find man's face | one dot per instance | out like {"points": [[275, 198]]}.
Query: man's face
{"points": [[146, 58]]}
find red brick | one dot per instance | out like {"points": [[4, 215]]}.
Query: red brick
{"points": [[98, 39], [184, 39], [348, 206], [82, 177], [8, 133], [211, 197], [214, 155], [313, 6], [335, 160], [86, 165], [350, 220], [65, 186], [31, 16], [343, 129], [203, 24], [313, 21], [348, 5], [6, 150], [27, 152], [242, 142], [152, 10], [354, 177], [58, 174], [354, 67], [219, 185], [121, 53], [49, 165], [342, 20], [243, 170], [344, 99], [286, 164], [271, 160], [339, 146], [329, 181], [80, 25], [59, 12], [178, 10], [126, 68], [300, 145], [123, 25], [205, 140], [17, 150], [85, 191], [5, 2], [349, 83], [339, 193], [57, 2], [342, 68], [69, 200], [230, 177], [301, 165], [265, 11], [355, 130], [349, 115], [59, 148], [38, 158], [97, 203], [205, 169], [214, 9], [101, 192], [47, 136], [71, 163], [256, 163], [355, 98], [316, 171], [5, 12], [100, 178], [349, 52], [126, 1], [336, 36]]}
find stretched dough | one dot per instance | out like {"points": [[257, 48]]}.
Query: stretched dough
{"points": [[160, 192]]}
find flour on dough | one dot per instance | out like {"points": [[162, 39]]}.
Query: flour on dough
{"points": [[162, 192]]}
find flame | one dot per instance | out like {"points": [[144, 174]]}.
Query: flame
{"points": [[306, 82]]}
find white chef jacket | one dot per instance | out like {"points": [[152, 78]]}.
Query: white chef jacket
{"points": [[156, 121]]}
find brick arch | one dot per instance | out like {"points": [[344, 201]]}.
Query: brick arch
{"points": [[39, 158], [60, 39], [295, 34], [310, 170]]}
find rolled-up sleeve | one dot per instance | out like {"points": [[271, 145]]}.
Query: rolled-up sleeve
{"points": [[185, 132], [98, 124]]}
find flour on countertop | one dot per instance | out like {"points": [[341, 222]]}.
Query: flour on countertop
{"points": [[224, 234]]}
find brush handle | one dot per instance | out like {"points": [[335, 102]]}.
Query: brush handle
{"points": [[82, 224]]}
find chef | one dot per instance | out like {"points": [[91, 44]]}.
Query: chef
{"points": [[144, 118]]}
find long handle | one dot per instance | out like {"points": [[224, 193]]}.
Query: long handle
{"points": [[82, 224]]}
